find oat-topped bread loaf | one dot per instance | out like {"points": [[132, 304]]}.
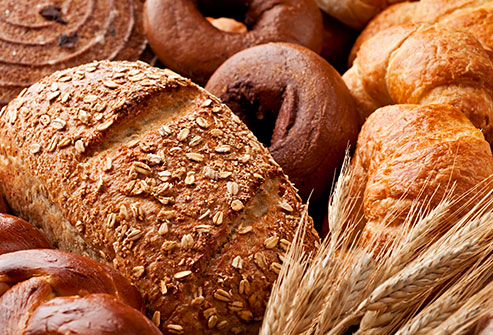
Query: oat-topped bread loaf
{"points": [[139, 168]]}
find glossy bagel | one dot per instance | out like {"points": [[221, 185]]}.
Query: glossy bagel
{"points": [[296, 104], [185, 41]]}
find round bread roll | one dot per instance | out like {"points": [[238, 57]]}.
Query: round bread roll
{"points": [[141, 169], [40, 37], [17, 234], [297, 105], [186, 42]]}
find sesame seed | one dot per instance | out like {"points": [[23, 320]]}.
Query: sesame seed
{"points": [[187, 241], [246, 315], [90, 68], [117, 104], [221, 325], [209, 312], [260, 260], [287, 207], [65, 97], [134, 72], [53, 95], [232, 187], [52, 145], [195, 156], [206, 103], [164, 175], [79, 146], [110, 222], [194, 141], [225, 174], [79, 226], [64, 142], [163, 287], [203, 123], [245, 158], [182, 135], [206, 214], [156, 318], [90, 98], [58, 124], [175, 329], [244, 230], [275, 267], [216, 132], [110, 84], [64, 79], [190, 178], [141, 168], [237, 205], [165, 214], [244, 287], [223, 148], [164, 130], [218, 218], [198, 301], [212, 321], [138, 271], [285, 244], [34, 148], [169, 245], [271, 242], [134, 234], [105, 125], [203, 228], [163, 229], [223, 295], [182, 274], [258, 176], [237, 262]]}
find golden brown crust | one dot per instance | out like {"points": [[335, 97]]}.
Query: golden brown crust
{"points": [[474, 16], [17, 234], [159, 180], [388, 70], [409, 153]]}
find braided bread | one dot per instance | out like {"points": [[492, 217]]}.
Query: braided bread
{"points": [[45, 291]]}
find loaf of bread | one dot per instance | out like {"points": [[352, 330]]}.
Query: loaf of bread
{"points": [[141, 169], [411, 153], [48, 291]]}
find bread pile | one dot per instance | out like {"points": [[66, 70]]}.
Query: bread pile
{"points": [[135, 173]]}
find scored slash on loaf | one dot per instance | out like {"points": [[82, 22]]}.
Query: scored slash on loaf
{"points": [[189, 222]]}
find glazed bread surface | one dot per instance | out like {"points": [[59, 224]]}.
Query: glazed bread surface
{"points": [[141, 169]]}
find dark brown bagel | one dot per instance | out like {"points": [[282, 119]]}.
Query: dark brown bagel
{"points": [[17, 234], [185, 41], [40, 37], [294, 91]]}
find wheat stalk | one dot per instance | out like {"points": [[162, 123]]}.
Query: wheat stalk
{"points": [[450, 301], [464, 319], [400, 294]]}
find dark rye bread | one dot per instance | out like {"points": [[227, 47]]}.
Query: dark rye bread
{"points": [[40, 37], [139, 168]]}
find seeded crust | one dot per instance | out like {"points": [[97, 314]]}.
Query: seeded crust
{"points": [[139, 168]]}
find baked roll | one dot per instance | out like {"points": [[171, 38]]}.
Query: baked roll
{"points": [[141, 169]]}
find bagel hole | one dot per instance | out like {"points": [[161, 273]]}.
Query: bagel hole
{"points": [[259, 110], [228, 16]]}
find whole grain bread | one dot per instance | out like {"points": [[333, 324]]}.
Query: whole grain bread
{"points": [[139, 168]]}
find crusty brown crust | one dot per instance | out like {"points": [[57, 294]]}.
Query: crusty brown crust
{"points": [[17, 234], [297, 105], [148, 172], [102, 315], [411, 153]]}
